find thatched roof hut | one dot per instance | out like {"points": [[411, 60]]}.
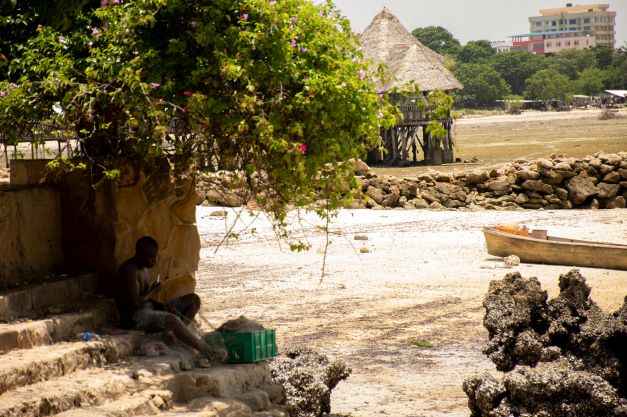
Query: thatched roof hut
{"points": [[386, 40]]}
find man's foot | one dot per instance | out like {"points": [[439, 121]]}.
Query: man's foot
{"points": [[202, 362], [215, 355]]}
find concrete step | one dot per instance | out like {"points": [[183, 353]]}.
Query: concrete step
{"points": [[96, 313], [145, 403], [28, 366], [79, 389]]}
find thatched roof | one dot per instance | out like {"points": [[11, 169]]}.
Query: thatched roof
{"points": [[386, 40]]}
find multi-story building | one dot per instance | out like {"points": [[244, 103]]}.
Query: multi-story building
{"points": [[567, 27], [502, 46]]}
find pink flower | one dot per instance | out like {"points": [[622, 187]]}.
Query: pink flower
{"points": [[116, 1], [154, 85], [293, 19], [302, 148], [106, 26], [90, 44], [14, 86], [187, 93], [380, 115], [245, 16], [104, 3], [293, 44], [3, 94], [193, 24], [95, 31], [271, 4], [362, 74], [303, 49]]}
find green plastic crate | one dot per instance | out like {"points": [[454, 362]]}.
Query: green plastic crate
{"points": [[248, 347]]}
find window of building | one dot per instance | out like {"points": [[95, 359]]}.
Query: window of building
{"points": [[572, 22], [576, 42], [548, 44], [559, 43], [553, 23], [586, 28], [586, 20], [567, 43], [538, 24]]}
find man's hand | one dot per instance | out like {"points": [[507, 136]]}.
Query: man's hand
{"points": [[155, 287]]}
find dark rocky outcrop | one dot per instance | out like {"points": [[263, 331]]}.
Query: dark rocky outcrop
{"points": [[308, 379], [563, 357]]}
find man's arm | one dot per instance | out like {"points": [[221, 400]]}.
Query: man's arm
{"points": [[128, 279]]}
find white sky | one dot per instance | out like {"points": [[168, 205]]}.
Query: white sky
{"points": [[467, 20]]}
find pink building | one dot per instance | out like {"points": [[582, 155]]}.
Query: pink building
{"points": [[553, 41]]}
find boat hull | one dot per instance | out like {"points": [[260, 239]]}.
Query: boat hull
{"points": [[556, 251]]}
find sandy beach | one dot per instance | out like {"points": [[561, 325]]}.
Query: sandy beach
{"points": [[422, 277]]}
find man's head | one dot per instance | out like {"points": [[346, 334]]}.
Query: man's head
{"points": [[146, 249]]}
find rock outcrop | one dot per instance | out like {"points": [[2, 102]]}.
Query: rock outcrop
{"points": [[308, 379], [557, 182], [562, 357]]}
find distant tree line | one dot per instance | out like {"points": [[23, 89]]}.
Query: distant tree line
{"points": [[489, 76]]}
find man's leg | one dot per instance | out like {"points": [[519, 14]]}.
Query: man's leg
{"points": [[187, 305], [148, 319]]}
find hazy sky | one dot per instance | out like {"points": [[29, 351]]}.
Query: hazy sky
{"points": [[470, 19]]}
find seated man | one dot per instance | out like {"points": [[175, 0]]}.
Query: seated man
{"points": [[138, 311]]}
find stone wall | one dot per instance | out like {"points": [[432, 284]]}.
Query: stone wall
{"points": [[557, 182], [30, 234], [101, 225]]}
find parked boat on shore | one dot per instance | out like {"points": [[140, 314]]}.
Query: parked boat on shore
{"points": [[537, 247]]}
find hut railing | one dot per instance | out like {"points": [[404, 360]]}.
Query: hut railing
{"points": [[413, 113]]}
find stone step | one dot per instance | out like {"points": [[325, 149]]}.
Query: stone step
{"points": [[79, 389], [96, 314], [146, 403], [22, 302], [220, 407], [229, 381], [28, 366]]}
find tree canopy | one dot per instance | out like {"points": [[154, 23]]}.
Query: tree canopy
{"points": [[547, 85], [276, 90], [475, 52], [570, 62], [438, 39], [515, 67], [483, 85]]}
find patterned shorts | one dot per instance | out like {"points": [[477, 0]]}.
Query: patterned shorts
{"points": [[150, 319]]}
